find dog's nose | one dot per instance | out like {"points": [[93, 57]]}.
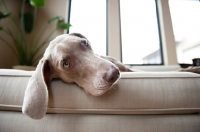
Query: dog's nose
{"points": [[111, 74]]}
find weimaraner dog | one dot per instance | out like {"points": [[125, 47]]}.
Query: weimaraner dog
{"points": [[70, 58]]}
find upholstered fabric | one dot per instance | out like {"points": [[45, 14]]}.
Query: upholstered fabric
{"points": [[139, 102], [16, 122], [135, 93]]}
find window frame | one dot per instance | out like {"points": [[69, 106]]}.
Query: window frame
{"points": [[114, 47]]}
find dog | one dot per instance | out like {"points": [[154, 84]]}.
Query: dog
{"points": [[70, 57]]}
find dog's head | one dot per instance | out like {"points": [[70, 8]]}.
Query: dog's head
{"points": [[70, 58]]}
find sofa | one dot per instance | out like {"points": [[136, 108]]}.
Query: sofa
{"points": [[139, 102]]}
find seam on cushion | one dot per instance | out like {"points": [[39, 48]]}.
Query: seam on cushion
{"points": [[122, 77], [159, 77], [109, 111], [15, 75], [10, 107], [125, 111]]}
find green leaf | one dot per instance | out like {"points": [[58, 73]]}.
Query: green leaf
{"points": [[58, 18], [4, 15], [37, 3], [64, 25], [28, 21], [1, 28]]}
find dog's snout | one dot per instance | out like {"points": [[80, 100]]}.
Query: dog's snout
{"points": [[111, 75]]}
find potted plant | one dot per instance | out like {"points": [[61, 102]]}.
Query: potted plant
{"points": [[27, 53]]}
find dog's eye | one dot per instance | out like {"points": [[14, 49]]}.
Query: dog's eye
{"points": [[85, 43], [66, 64]]}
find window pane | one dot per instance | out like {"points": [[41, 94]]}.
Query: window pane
{"points": [[88, 17], [185, 16], [139, 32]]}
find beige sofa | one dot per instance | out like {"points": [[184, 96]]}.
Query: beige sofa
{"points": [[139, 102]]}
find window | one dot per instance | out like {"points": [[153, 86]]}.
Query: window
{"points": [[88, 17], [141, 43], [185, 16]]}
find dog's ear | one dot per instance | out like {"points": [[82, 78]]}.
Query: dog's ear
{"points": [[36, 94], [121, 66]]}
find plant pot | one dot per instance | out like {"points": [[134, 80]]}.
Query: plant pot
{"points": [[26, 68]]}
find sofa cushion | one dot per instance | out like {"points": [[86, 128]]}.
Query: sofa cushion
{"points": [[135, 93], [12, 121]]}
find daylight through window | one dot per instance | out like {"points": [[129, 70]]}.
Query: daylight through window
{"points": [[186, 25], [139, 32], [88, 17]]}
